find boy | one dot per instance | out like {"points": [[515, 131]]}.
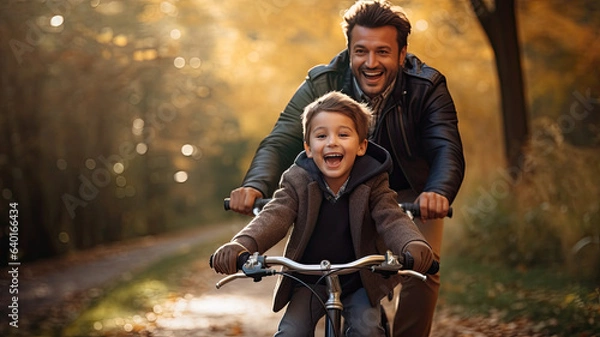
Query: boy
{"points": [[337, 198]]}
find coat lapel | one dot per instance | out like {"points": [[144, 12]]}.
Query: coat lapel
{"points": [[359, 200], [306, 226]]}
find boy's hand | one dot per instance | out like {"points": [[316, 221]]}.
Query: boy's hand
{"points": [[224, 260], [422, 255]]}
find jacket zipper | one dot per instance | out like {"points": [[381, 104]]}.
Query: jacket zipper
{"points": [[402, 127]]}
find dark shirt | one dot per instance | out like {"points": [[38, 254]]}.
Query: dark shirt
{"points": [[331, 240]]}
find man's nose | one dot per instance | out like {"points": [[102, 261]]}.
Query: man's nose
{"points": [[371, 60]]}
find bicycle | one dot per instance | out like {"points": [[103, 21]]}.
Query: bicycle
{"points": [[258, 266]]}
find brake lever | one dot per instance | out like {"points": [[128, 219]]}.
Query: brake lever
{"points": [[256, 267], [389, 267]]}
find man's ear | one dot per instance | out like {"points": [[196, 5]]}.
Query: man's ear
{"points": [[308, 151], [362, 147], [402, 56]]}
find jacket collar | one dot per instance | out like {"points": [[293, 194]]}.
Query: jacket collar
{"points": [[375, 161]]}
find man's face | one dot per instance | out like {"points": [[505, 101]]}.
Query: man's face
{"points": [[375, 57]]}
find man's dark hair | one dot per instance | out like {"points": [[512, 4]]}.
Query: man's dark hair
{"points": [[375, 14]]}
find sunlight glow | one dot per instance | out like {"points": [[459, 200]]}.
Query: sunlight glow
{"points": [[180, 176], [195, 62], [145, 55], [179, 62], [118, 168], [421, 25], [175, 34], [200, 312], [138, 126], [63, 237], [141, 148], [168, 8], [120, 40], [187, 150], [57, 20]]}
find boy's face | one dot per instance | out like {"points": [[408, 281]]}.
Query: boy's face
{"points": [[334, 145]]}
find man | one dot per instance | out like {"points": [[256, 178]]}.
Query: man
{"points": [[415, 120]]}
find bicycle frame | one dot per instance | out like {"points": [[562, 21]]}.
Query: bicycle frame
{"points": [[258, 266]]}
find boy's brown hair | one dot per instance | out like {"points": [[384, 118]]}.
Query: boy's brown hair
{"points": [[336, 101]]}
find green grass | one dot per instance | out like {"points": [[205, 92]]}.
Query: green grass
{"points": [[558, 304]]}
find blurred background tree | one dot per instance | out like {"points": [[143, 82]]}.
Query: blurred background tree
{"points": [[129, 118]]}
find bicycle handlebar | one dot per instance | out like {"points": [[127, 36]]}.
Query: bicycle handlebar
{"points": [[258, 266], [258, 203], [413, 208]]}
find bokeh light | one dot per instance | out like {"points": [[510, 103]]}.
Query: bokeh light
{"points": [[180, 176], [179, 62], [57, 21]]}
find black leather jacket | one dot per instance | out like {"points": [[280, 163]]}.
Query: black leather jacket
{"points": [[418, 126]]}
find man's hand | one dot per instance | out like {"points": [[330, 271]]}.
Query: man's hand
{"points": [[433, 205], [422, 255], [224, 260], [242, 199]]}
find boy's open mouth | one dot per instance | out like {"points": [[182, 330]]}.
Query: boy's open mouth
{"points": [[333, 159]]}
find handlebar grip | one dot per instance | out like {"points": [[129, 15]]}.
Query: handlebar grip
{"points": [[258, 203], [241, 260], [416, 210], [435, 267], [409, 263]]}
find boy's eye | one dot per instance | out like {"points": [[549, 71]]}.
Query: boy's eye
{"points": [[320, 136]]}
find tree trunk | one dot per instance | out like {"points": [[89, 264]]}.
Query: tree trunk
{"points": [[500, 26]]}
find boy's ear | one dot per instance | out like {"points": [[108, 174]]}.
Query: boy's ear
{"points": [[362, 147], [307, 149]]}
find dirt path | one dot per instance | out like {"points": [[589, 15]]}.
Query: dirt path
{"points": [[240, 308]]}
